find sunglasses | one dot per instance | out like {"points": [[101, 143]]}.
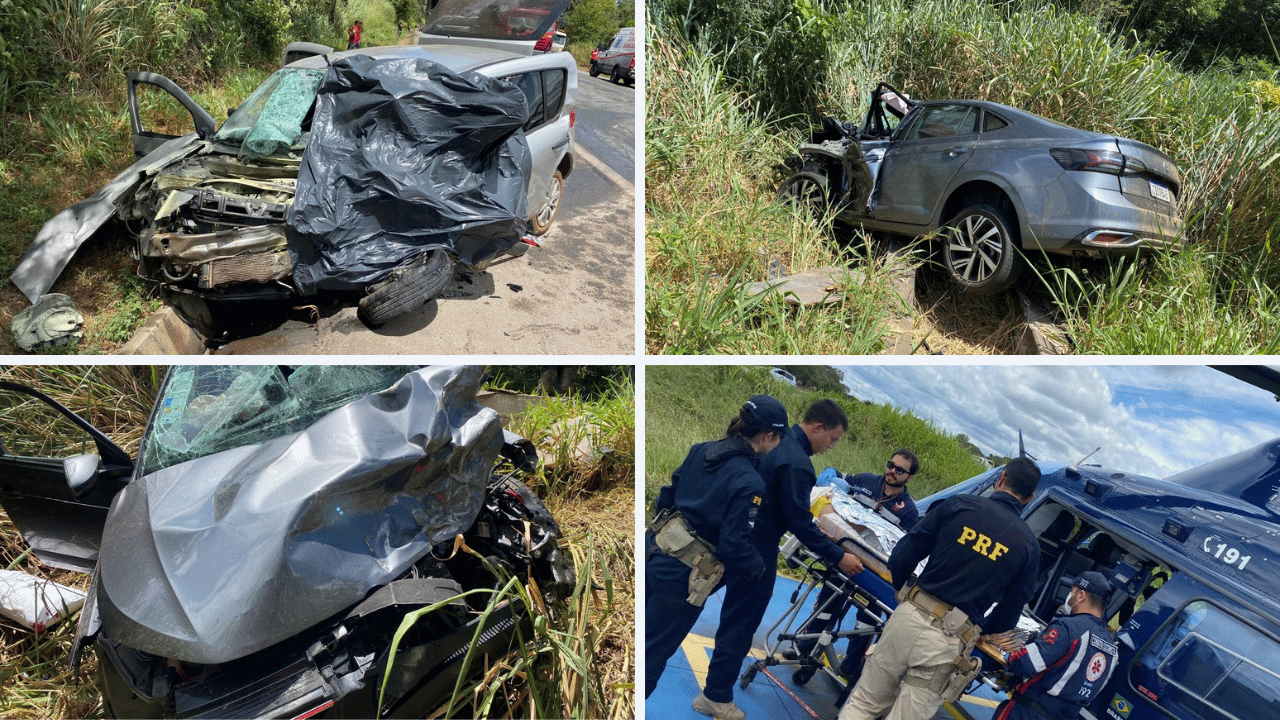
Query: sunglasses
{"points": [[897, 469]]}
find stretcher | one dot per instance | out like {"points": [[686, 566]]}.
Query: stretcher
{"points": [[868, 594]]}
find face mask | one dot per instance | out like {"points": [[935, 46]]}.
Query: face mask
{"points": [[1067, 608]]}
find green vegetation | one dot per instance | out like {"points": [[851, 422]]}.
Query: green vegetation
{"points": [[580, 661], [724, 110], [685, 405]]}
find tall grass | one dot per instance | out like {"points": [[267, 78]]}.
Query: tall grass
{"points": [[718, 120]]}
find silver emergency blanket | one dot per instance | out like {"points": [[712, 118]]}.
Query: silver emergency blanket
{"points": [[212, 558], [407, 156], [886, 533]]}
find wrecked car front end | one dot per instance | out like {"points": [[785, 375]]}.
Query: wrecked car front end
{"points": [[281, 526], [411, 157]]}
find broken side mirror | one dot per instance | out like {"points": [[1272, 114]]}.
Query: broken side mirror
{"points": [[81, 472]]}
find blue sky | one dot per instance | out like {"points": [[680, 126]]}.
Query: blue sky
{"points": [[1151, 419]]}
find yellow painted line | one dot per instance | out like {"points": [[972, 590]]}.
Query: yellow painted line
{"points": [[698, 651]]}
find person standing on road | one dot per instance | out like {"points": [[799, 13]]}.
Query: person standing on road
{"points": [[353, 35], [700, 536], [1069, 662], [399, 29], [980, 553], [888, 492], [788, 476]]}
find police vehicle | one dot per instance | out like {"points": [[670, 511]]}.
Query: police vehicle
{"points": [[1194, 560]]}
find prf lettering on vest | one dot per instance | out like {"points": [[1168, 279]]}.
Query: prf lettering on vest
{"points": [[981, 543]]}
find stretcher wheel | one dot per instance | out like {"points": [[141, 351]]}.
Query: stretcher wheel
{"points": [[802, 676], [747, 677]]}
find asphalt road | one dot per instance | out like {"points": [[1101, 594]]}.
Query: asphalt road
{"points": [[573, 296]]}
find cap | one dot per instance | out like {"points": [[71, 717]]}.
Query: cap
{"points": [[762, 413], [1092, 582]]}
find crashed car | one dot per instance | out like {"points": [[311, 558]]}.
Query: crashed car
{"points": [[378, 171], [277, 527], [999, 183]]}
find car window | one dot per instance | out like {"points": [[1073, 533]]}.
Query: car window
{"points": [[33, 429], [531, 84], [526, 20], [271, 119], [991, 122], [544, 90], [1206, 663], [945, 121]]}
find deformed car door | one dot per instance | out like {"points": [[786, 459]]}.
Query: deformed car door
{"points": [[145, 141], [918, 167], [58, 475]]}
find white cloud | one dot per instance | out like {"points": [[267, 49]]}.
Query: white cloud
{"points": [[1150, 419]]}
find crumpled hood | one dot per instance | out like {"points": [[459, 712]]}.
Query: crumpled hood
{"points": [[212, 559]]}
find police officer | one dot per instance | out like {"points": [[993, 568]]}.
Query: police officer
{"points": [[980, 552], [788, 476], [700, 534], [1068, 664], [887, 492]]}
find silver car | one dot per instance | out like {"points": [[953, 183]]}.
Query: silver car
{"points": [[446, 154], [999, 182]]}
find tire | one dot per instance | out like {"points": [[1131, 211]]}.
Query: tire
{"points": [[408, 288], [747, 677], [615, 75], [981, 250], [806, 189], [802, 676], [595, 70], [545, 214]]}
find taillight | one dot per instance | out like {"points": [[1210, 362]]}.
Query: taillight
{"points": [[633, 63], [573, 117], [1103, 161]]}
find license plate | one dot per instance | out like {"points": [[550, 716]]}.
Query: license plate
{"points": [[1160, 192]]}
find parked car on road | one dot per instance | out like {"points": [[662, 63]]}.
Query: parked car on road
{"points": [[998, 182], [618, 60], [459, 152], [243, 568]]}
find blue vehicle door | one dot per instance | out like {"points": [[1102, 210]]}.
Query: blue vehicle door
{"points": [[919, 165]]}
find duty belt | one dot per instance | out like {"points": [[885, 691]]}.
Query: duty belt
{"points": [[674, 537], [940, 611]]}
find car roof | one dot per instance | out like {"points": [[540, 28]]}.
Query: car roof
{"points": [[457, 58], [1012, 114]]}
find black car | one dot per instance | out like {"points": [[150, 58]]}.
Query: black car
{"points": [[278, 527]]}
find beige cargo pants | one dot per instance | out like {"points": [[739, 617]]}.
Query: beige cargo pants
{"points": [[910, 647]]}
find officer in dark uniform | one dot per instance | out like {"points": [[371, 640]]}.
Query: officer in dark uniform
{"points": [[701, 529], [1067, 664], [788, 476], [887, 493], [980, 552]]}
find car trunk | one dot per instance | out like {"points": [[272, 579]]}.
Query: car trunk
{"points": [[1157, 188]]}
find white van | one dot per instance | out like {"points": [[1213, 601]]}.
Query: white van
{"points": [[619, 60]]}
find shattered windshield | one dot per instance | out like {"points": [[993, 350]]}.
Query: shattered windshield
{"points": [[271, 119], [206, 409]]}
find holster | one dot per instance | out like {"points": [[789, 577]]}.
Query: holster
{"points": [[674, 537]]}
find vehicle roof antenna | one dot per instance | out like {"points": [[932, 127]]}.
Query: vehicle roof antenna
{"points": [[1022, 449]]}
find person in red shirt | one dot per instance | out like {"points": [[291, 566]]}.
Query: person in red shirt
{"points": [[353, 35]]}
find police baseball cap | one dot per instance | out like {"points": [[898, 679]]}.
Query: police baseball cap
{"points": [[763, 413], [1092, 582]]}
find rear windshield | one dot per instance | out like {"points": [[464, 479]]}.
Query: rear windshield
{"points": [[207, 409], [518, 20]]}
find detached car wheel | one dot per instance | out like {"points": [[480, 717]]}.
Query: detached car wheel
{"points": [[407, 288], [550, 206], [805, 189], [981, 250]]}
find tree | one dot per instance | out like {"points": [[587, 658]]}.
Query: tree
{"points": [[592, 21], [822, 378]]}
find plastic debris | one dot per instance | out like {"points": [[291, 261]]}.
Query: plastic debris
{"points": [[34, 602]]}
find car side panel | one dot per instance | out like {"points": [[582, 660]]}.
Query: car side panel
{"points": [[915, 176]]}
